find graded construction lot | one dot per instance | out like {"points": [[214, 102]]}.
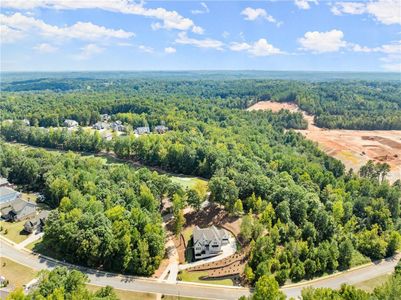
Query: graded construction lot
{"points": [[353, 147]]}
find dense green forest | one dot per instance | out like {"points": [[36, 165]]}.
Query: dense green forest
{"points": [[302, 209], [108, 215], [336, 104]]}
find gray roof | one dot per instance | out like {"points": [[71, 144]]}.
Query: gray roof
{"points": [[208, 234], [7, 194], [20, 208], [3, 181], [142, 130]]}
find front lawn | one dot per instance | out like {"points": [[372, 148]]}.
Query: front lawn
{"points": [[196, 277], [371, 284], [15, 273], [14, 231]]}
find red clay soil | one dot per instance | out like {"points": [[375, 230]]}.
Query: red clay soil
{"points": [[213, 215], [353, 147]]}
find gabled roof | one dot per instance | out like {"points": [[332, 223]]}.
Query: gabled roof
{"points": [[208, 234]]}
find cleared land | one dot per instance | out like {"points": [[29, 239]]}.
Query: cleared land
{"points": [[353, 147]]}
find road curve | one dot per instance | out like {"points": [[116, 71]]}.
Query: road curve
{"points": [[186, 289], [131, 283]]}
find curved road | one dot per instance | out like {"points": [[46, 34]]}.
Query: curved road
{"points": [[185, 289]]}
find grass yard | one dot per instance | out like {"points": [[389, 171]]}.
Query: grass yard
{"points": [[32, 245], [196, 277], [30, 197], [13, 231], [187, 182], [126, 295], [371, 284], [15, 273]]}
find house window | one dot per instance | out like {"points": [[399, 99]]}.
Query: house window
{"points": [[215, 246]]}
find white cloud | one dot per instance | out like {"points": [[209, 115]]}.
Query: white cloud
{"points": [[392, 63], [385, 11], [169, 19], [258, 48], [21, 25], [45, 48], [170, 50], [204, 9], [200, 43], [198, 30], [225, 34], [89, 51], [10, 35], [304, 4], [393, 48], [252, 14], [145, 49], [320, 42]]}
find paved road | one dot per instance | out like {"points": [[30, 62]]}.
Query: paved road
{"points": [[196, 290], [350, 277], [128, 282]]}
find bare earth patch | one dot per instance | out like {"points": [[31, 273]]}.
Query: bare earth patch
{"points": [[353, 147]]}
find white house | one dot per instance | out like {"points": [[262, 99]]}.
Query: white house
{"points": [[70, 123], [208, 241]]}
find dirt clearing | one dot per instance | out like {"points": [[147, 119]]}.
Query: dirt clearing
{"points": [[353, 147]]}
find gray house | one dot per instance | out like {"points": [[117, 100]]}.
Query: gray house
{"points": [[208, 241], [18, 210], [100, 125], [161, 129], [3, 181], [142, 130], [36, 223], [7, 194], [117, 126]]}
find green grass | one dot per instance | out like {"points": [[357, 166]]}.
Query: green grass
{"points": [[371, 284], [14, 231], [32, 245], [126, 295], [15, 273], [187, 182], [196, 277]]}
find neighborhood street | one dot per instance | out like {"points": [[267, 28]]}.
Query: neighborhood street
{"points": [[187, 289]]}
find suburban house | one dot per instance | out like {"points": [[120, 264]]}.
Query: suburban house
{"points": [[70, 123], [18, 210], [3, 181], [105, 117], [117, 126], [161, 129], [208, 241], [7, 194], [100, 125], [36, 223], [142, 130]]}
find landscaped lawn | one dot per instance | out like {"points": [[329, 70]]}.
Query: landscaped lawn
{"points": [[14, 231], [127, 295], [30, 197], [371, 284], [15, 273], [187, 182], [196, 277], [33, 244]]}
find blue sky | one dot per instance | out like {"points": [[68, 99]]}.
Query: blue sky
{"points": [[57, 35]]}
